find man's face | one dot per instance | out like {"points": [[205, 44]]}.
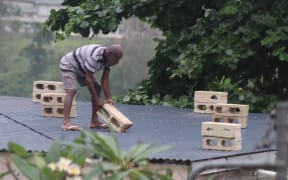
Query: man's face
{"points": [[113, 59]]}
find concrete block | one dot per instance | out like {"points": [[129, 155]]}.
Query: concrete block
{"points": [[210, 97], [54, 99], [224, 130], [223, 144], [36, 97], [231, 119], [48, 86], [111, 115], [231, 110], [203, 107], [57, 111]]}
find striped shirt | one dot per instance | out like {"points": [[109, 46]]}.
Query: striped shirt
{"points": [[88, 58]]}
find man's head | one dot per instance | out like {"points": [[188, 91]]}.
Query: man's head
{"points": [[114, 54]]}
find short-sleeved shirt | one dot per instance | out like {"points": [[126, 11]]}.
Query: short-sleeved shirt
{"points": [[88, 58]]}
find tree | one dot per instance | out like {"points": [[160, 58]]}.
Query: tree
{"points": [[238, 46], [40, 57]]}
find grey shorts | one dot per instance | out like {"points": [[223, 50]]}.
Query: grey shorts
{"points": [[71, 80]]}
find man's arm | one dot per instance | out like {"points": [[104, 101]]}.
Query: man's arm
{"points": [[105, 86], [96, 101]]}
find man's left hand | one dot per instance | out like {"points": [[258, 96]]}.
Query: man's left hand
{"points": [[110, 101]]}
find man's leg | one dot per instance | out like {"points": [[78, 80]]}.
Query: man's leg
{"points": [[70, 84], [70, 94], [95, 123]]}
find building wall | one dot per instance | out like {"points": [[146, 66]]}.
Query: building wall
{"points": [[37, 9], [44, 9], [5, 164]]}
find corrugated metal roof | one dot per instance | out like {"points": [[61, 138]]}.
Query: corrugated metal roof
{"points": [[21, 122]]}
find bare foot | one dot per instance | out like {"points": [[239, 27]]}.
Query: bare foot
{"points": [[99, 125], [69, 127]]}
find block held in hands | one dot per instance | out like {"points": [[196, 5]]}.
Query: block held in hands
{"points": [[111, 115]]}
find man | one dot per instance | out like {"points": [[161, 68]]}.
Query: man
{"points": [[79, 66]]}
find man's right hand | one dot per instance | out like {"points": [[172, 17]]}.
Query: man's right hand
{"points": [[99, 103]]}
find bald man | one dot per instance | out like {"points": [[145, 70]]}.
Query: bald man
{"points": [[78, 68]]}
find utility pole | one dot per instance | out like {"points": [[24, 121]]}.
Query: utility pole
{"points": [[282, 139]]}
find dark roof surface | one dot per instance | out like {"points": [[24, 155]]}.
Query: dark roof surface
{"points": [[21, 122]]}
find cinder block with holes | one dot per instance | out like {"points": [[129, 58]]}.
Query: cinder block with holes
{"points": [[230, 119], [210, 97], [239, 110], [54, 99], [225, 130], [36, 97], [224, 144], [203, 107], [118, 121], [48, 86], [57, 111]]}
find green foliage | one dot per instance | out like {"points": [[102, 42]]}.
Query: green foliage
{"points": [[243, 41], [98, 152], [79, 19], [244, 96], [141, 96]]}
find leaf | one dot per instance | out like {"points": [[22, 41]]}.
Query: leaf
{"points": [[142, 151], [136, 151], [126, 98], [17, 149], [27, 169], [241, 97], [120, 175], [137, 97], [111, 144], [113, 24], [39, 161], [283, 56], [142, 176], [60, 36], [229, 10], [281, 52], [167, 104], [154, 101], [84, 24], [54, 153], [270, 38], [96, 172], [108, 166], [104, 145], [229, 52]]}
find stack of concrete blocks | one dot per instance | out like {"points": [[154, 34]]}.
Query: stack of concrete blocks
{"points": [[111, 115], [40, 87], [224, 132], [231, 113], [51, 95], [221, 136], [53, 105], [205, 101]]}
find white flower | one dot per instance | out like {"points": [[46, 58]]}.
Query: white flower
{"points": [[52, 166], [63, 164], [73, 170]]}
